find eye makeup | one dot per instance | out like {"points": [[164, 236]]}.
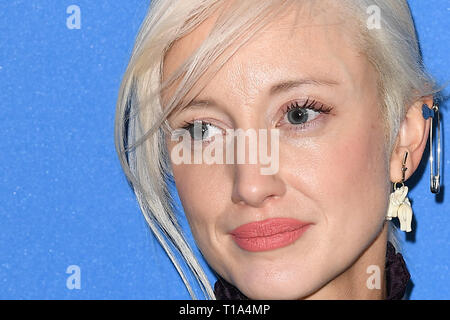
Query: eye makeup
{"points": [[302, 115], [297, 115]]}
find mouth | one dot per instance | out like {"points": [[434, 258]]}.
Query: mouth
{"points": [[268, 234]]}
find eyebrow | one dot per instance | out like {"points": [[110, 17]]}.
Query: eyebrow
{"points": [[276, 89], [290, 84]]}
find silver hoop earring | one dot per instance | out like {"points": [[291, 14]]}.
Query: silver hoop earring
{"points": [[435, 153]]}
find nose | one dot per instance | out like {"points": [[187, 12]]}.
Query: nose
{"points": [[252, 188]]}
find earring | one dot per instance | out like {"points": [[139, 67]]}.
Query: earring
{"points": [[399, 204], [435, 156]]}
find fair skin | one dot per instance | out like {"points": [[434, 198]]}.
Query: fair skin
{"points": [[332, 174]]}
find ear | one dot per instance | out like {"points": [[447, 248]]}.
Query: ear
{"points": [[412, 137]]}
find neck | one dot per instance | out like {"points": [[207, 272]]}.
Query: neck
{"points": [[364, 280]]}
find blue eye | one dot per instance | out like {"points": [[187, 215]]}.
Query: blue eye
{"points": [[297, 114], [200, 130]]}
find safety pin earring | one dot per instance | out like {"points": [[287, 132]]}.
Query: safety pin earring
{"points": [[399, 204], [435, 177]]}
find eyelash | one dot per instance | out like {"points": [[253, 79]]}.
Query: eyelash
{"points": [[313, 105]]}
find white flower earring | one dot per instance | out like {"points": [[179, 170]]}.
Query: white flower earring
{"points": [[399, 204]]}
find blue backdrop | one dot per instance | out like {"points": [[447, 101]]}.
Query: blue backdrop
{"points": [[64, 200]]}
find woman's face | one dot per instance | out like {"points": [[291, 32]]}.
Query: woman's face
{"points": [[332, 181]]}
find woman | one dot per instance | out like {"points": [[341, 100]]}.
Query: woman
{"points": [[339, 87]]}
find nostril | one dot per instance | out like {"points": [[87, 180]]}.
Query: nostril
{"points": [[252, 188]]}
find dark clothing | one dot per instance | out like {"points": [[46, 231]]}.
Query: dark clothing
{"points": [[397, 278]]}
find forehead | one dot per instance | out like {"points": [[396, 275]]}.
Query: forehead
{"points": [[313, 41]]}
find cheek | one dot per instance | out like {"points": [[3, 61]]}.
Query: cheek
{"points": [[198, 186], [355, 177], [344, 174]]}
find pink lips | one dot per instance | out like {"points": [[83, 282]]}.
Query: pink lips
{"points": [[268, 234]]}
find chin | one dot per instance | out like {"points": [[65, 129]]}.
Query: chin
{"points": [[278, 286], [277, 292]]}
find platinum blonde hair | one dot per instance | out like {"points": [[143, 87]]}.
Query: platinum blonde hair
{"points": [[141, 121]]}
